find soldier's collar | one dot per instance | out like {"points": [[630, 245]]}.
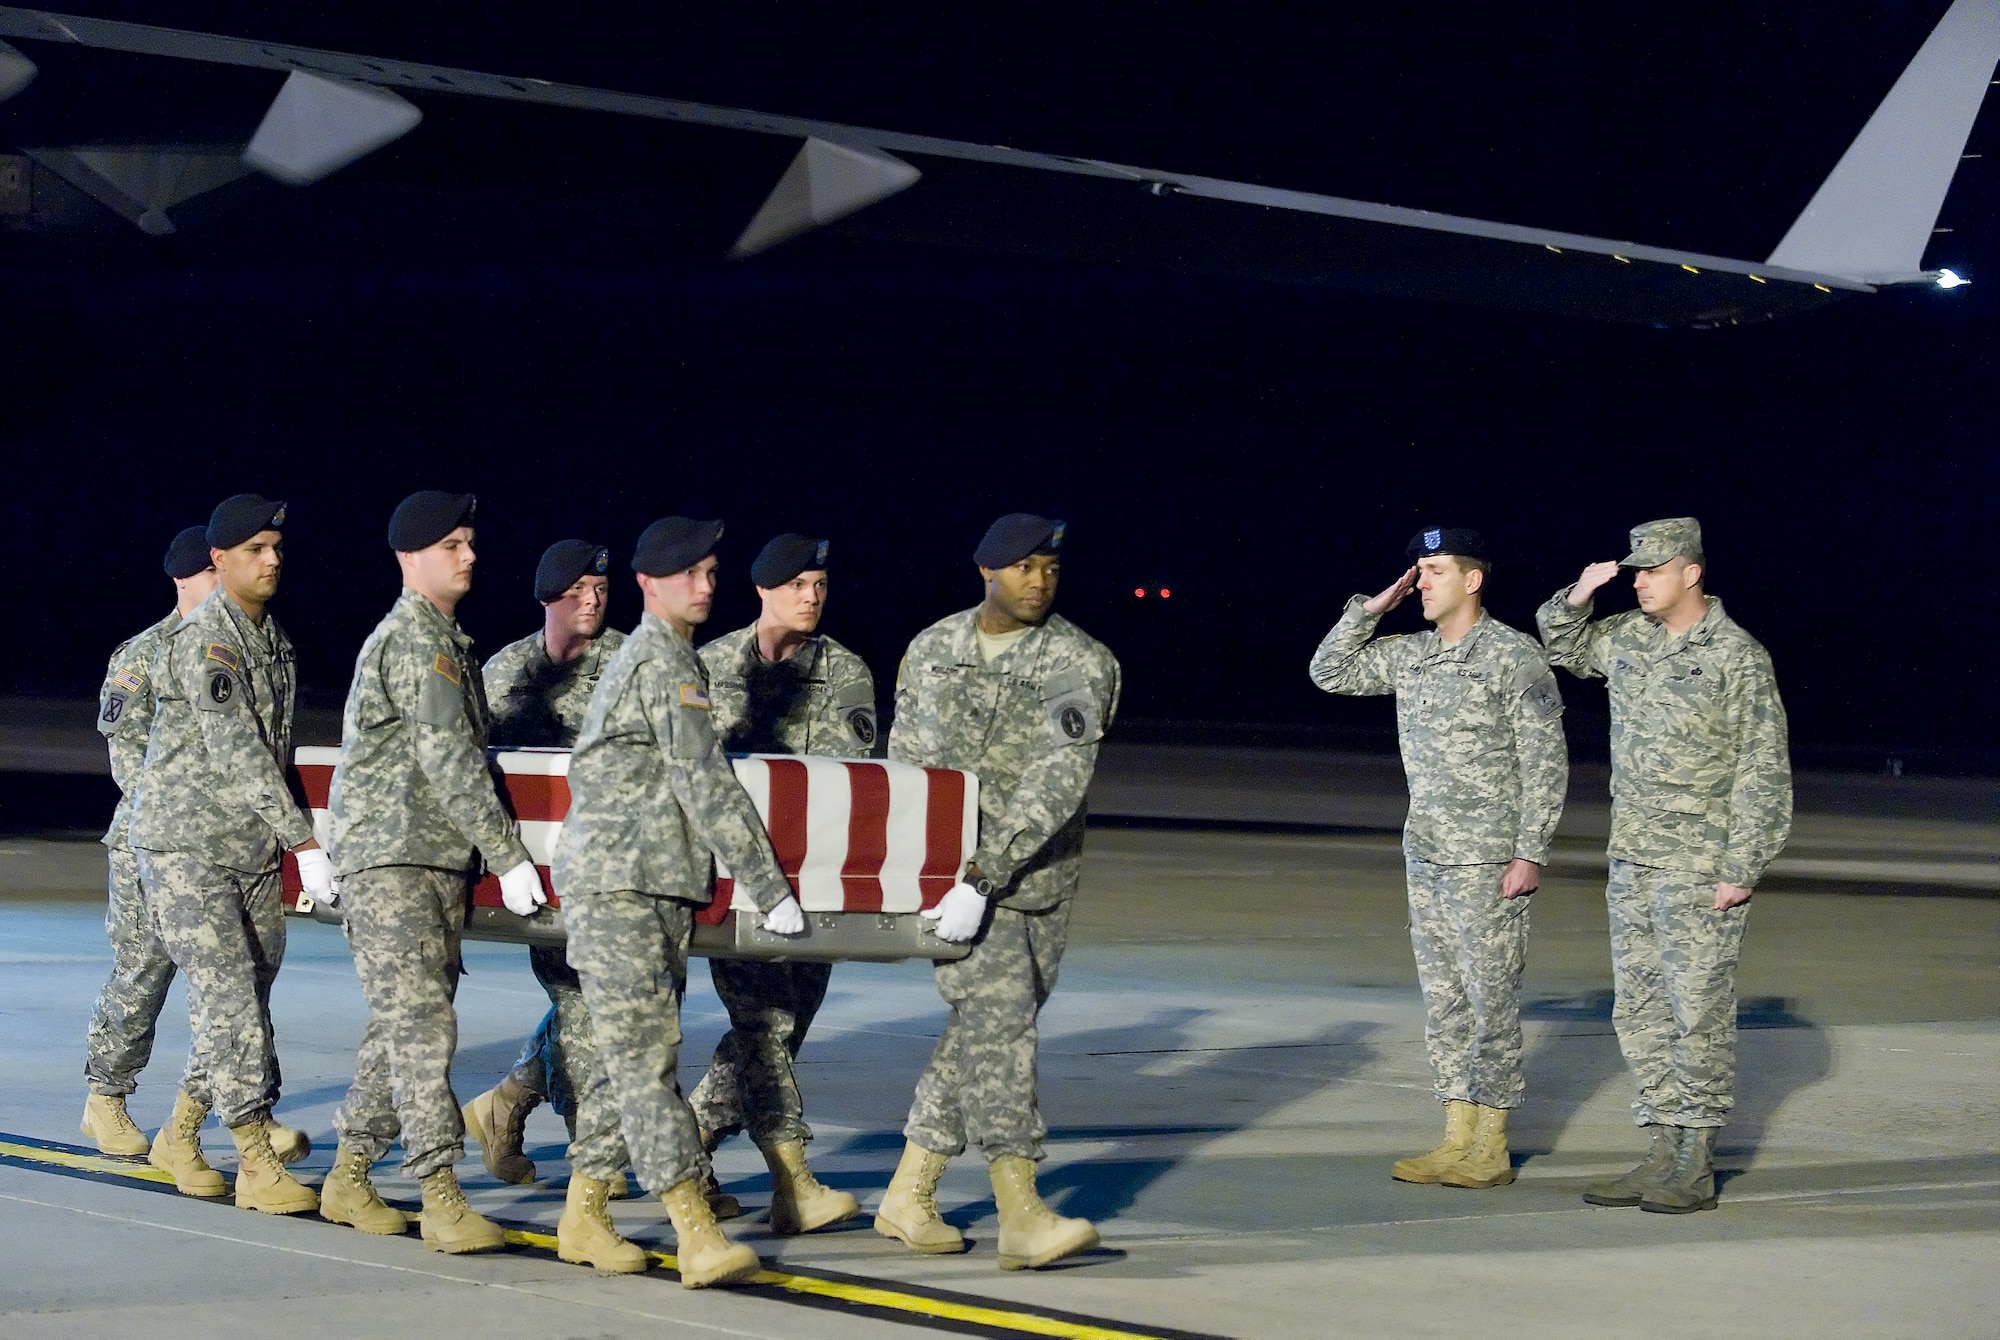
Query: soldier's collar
{"points": [[429, 611]]}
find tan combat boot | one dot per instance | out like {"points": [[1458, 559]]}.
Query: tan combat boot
{"points": [[449, 1224], [1426, 1168], [497, 1119], [1031, 1234], [1487, 1162], [800, 1202], [909, 1213], [349, 1197], [289, 1145], [703, 1255], [106, 1122], [177, 1150], [262, 1183], [584, 1235], [720, 1203], [1630, 1189]]}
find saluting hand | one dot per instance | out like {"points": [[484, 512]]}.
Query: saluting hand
{"points": [[1392, 595], [1594, 576]]}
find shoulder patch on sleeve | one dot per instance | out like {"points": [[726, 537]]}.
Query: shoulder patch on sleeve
{"points": [[218, 687], [111, 712], [694, 695], [224, 655], [129, 680], [858, 694], [449, 668], [1073, 713], [1537, 686]]}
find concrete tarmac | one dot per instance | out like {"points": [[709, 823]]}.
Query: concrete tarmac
{"points": [[1232, 1060]]}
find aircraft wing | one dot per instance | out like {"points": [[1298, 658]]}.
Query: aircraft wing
{"points": [[1865, 228]]}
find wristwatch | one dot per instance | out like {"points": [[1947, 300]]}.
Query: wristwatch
{"points": [[982, 886]]}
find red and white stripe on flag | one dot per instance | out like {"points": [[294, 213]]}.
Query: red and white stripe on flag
{"points": [[851, 835]]}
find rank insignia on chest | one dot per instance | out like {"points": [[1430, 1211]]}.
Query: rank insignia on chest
{"points": [[694, 695], [447, 667], [129, 680], [224, 656]]}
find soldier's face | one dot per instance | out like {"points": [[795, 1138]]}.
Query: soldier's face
{"points": [[688, 595], [582, 608], [249, 571], [1444, 586], [1024, 591], [797, 604], [443, 571], [1661, 589]]}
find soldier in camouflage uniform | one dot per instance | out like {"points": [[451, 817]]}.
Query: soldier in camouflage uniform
{"points": [[413, 810], [209, 822], [539, 688], [1480, 724], [1021, 697], [779, 687], [651, 795], [120, 1040], [1701, 804]]}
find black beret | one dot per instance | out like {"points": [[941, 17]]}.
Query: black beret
{"points": [[427, 516], [1014, 536], [236, 519], [1459, 543], [674, 544], [785, 558], [188, 554], [566, 562]]}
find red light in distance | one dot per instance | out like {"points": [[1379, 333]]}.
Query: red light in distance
{"points": [[1140, 592], [1165, 593]]}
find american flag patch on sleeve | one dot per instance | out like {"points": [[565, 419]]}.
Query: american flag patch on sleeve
{"points": [[129, 680]]}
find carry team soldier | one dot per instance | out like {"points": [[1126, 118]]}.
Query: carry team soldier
{"points": [[120, 1039], [651, 796], [413, 811], [1021, 697], [211, 818], [779, 686], [1479, 721], [539, 689], [1701, 804]]}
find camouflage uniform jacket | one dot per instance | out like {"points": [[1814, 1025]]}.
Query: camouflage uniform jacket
{"points": [[537, 703], [1480, 725], [821, 700], [1700, 777], [651, 794], [125, 714], [213, 781], [413, 786], [1028, 723]]}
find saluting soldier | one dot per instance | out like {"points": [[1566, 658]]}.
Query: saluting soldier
{"points": [[1701, 804], [779, 686], [414, 811], [210, 821], [1020, 696], [120, 1039], [651, 795], [1479, 721], [539, 689]]}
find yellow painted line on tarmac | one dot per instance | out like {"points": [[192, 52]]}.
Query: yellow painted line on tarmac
{"points": [[890, 1303]]}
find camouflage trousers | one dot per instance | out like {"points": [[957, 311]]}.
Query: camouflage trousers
{"points": [[120, 1039], [750, 1083], [980, 1084], [631, 952], [226, 932], [403, 924], [1673, 962], [1471, 947], [556, 1062]]}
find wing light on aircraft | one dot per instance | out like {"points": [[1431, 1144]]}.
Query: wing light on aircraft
{"points": [[1866, 227], [1951, 279]]}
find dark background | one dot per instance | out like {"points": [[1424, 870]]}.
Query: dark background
{"points": [[531, 305]]}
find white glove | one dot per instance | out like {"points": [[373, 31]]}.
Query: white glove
{"points": [[959, 913], [787, 918], [521, 890], [316, 873]]}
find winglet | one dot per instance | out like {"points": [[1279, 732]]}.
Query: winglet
{"points": [[826, 181], [16, 72], [316, 126], [1872, 217]]}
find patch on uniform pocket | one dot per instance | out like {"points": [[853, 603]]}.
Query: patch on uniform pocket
{"points": [[693, 728], [861, 721], [224, 656], [129, 680], [1537, 686], [694, 695], [113, 710], [441, 696], [1071, 708], [447, 667], [218, 689]]}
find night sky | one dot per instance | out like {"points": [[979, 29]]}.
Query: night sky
{"points": [[532, 306]]}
